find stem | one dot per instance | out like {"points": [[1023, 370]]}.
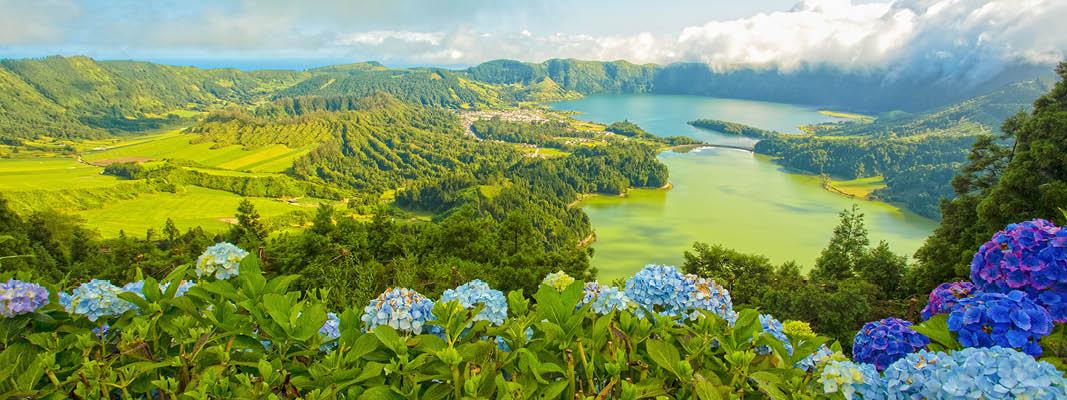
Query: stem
{"points": [[457, 388], [585, 366], [570, 374]]}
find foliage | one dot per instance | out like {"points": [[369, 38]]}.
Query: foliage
{"points": [[1002, 184], [253, 337], [733, 128]]}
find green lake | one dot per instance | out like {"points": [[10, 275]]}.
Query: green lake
{"points": [[730, 197]]}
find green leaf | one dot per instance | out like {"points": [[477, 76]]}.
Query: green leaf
{"points": [[768, 383], [309, 322], [936, 328], [392, 340], [364, 344], [277, 306], [379, 393], [746, 326], [664, 355], [705, 390]]}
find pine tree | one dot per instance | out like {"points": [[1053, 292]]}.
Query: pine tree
{"points": [[837, 261], [250, 230]]}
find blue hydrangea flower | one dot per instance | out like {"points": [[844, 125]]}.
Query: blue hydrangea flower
{"points": [[708, 295], [945, 297], [221, 260], [102, 331], [470, 294], [660, 289], [883, 342], [812, 361], [558, 280], [996, 319], [1029, 256], [330, 330], [589, 292], [18, 297], [911, 376], [401, 308], [773, 327], [94, 299], [611, 299], [974, 373], [852, 380]]}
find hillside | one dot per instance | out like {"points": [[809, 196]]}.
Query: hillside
{"points": [[916, 154], [82, 97]]}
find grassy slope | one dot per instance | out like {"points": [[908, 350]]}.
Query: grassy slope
{"points": [[860, 188], [192, 206], [176, 145], [50, 174]]}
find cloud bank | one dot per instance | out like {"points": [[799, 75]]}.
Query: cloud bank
{"points": [[953, 39]]}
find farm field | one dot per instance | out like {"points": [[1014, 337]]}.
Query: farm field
{"points": [[50, 173], [859, 187], [176, 145], [190, 207]]}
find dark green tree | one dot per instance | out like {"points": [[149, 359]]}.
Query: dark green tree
{"points": [[848, 244], [249, 231], [884, 269], [745, 276]]}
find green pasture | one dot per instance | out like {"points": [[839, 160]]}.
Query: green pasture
{"points": [[859, 187], [176, 145], [50, 173]]}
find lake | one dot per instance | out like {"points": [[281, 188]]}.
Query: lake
{"points": [[730, 197]]}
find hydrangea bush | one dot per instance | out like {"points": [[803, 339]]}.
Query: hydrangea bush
{"points": [[221, 261], [402, 309], [18, 297], [1006, 320], [882, 342], [708, 295], [945, 297], [1029, 256]]}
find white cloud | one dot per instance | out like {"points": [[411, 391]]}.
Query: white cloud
{"points": [[954, 39]]}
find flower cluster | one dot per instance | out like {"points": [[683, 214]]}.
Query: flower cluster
{"points": [[1031, 257], [401, 308], [660, 289], [611, 299], [974, 373], [330, 330], [885, 341], [854, 381], [708, 295], [589, 292], [470, 294], [799, 329], [94, 299], [996, 319], [773, 327], [221, 260], [18, 297], [945, 297], [821, 355], [558, 280]]}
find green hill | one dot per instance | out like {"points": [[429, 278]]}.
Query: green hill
{"points": [[582, 76]]}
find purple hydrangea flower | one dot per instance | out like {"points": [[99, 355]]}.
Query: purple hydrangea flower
{"points": [[1029, 256], [945, 297], [997, 319], [18, 297], [883, 342]]}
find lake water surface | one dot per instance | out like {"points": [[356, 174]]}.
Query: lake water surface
{"points": [[731, 197]]}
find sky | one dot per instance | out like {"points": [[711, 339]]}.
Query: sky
{"points": [[960, 38]]}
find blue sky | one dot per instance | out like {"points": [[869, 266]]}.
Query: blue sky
{"points": [[962, 38]]}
